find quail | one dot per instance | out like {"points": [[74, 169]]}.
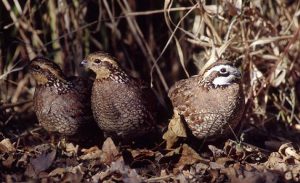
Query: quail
{"points": [[61, 104], [122, 105], [212, 102]]}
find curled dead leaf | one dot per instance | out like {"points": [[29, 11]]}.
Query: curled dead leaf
{"points": [[176, 129], [107, 155], [121, 172], [91, 153], [100, 176], [57, 171], [285, 162], [239, 173], [216, 151], [77, 170], [275, 162], [128, 175], [188, 157], [244, 151], [6, 146], [287, 150], [70, 148], [142, 153]]}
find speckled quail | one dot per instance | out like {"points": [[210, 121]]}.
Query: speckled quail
{"points": [[122, 105], [61, 104], [210, 103]]}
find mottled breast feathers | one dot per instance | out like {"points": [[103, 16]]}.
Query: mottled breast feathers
{"points": [[121, 105], [210, 102], [61, 104]]}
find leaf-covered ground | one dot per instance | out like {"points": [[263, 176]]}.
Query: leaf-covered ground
{"points": [[36, 155]]}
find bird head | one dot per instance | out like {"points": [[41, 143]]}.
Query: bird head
{"points": [[44, 70], [101, 63], [222, 73]]}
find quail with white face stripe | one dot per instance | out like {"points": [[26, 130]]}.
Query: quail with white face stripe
{"points": [[211, 103]]}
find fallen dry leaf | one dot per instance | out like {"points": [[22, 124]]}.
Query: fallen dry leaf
{"points": [[91, 153], [23, 161], [6, 146], [174, 152], [224, 162], [72, 177], [128, 175], [287, 150], [9, 161], [121, 172], [110, 151], [100, 176], [77, 170], [110, 147], [276, 162], [238, 173], [57, 171], [176, 129], [285, 161], [243, 151], [142, 153], [71, 149], [43, 161], [216, 151], [188, 157], [293, 174], [30, 171]]}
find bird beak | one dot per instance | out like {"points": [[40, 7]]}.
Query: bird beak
{"points": [[83, 63], [237, 74]]}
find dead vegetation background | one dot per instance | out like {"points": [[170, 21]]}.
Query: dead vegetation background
{"points": [[160, 42]]}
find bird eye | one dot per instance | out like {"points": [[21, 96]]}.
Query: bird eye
{"points": [[97, 61], [223, 70], [35, 67]]}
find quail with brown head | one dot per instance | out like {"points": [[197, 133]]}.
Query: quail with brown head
{"points": [[210, 103], [61, 104], [122, 106]]}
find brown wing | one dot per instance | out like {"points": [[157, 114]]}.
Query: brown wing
{"points": [[207, 111], [125, 111], [82, 85], [182, 95], [82, 91], [140, 94], [181, 90], [150, 101]]}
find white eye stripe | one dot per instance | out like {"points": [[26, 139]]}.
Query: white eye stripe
{"points": [[218, 68], [221, 81]]}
